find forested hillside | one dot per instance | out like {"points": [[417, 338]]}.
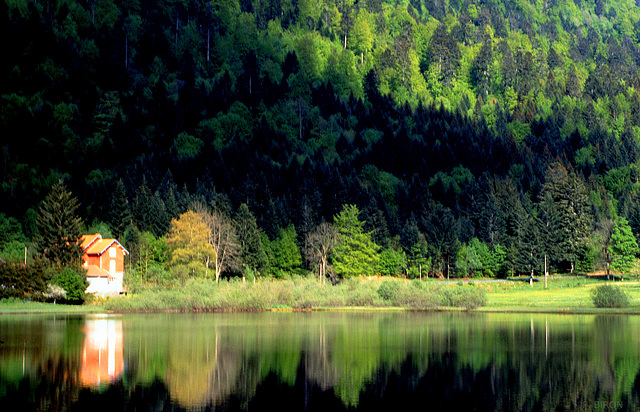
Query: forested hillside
{"points": [[473, 137]]}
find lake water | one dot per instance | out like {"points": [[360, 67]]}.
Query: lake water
{"points": [[325, 361]]}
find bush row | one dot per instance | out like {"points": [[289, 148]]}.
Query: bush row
{"points": [[201, 295]]}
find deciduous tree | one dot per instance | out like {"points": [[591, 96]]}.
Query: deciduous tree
{"points": [[318, 246], [188, 243], [222, 237]]}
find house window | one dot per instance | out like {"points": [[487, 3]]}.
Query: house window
{"points": [[112, 252]]}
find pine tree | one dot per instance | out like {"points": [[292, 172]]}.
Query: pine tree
{"points": [[252, 254], [142, 209], [623, 246], [119, 212], [59, 228], [355, 253], [441, 230], [566, 214], [285, 250]]}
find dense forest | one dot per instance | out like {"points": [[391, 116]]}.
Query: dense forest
{"points": [[465, 137]]}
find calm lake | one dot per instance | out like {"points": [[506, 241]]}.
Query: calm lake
{"points": [[323, 361]]}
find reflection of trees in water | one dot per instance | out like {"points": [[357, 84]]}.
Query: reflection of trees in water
{"points": [[523, 366], [368, 362], [40, 362], [202, 369]]}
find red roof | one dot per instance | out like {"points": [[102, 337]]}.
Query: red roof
{"points": [[94, 271], [87, 240], [96, 245]]}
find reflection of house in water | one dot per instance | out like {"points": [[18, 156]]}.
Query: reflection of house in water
{"points": [[102, 352]]}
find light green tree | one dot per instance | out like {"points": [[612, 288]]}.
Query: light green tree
{"points": [[362, 34], [393, 262], [356, 253], [286, 254], [187, 240], [623, 247]]}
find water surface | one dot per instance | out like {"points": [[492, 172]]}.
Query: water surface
{"points": [[320, 361]]}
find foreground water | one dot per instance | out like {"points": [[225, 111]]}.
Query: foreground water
{"points": [[320, 361]]}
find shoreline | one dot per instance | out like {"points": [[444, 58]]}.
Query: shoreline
{"points": [[565, 295], [97, 310]]}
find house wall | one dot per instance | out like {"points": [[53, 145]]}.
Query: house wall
{"points": [[92, 260], [104, 261], [104, 286]]}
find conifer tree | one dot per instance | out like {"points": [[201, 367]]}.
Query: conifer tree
{"points": [[142, 209], [285, 250], [252, 254], [566, 213], [623, 246], [119, 212], [59, 228], [355, 253]]}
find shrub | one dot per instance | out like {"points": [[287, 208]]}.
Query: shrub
{"points": [[468, 297], [23, 282], [408, 294], [608, 296], [73, 281], [55, 292]]}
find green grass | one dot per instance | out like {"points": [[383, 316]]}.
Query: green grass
{"points": [[8, 306], [300, 294], [562, 294]]}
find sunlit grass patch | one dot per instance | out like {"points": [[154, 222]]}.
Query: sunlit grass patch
{"points": [[20, 306], [561, 292]]}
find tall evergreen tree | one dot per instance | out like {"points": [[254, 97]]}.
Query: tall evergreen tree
{"points": [[623, 247], [142, 208], [566, 214], [441, 230], [355, 253], [119, 212], [59, 227], [252, 255]]}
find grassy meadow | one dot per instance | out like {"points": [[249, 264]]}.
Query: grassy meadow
{"points": [[562, 295]]}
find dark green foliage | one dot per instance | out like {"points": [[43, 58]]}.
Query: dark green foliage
{"points": [[295, 113], [119, 212], [73, 280], [252, 253], [567, 216], [23, 282], [10, 230], [59, 228], [608, 296]]}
